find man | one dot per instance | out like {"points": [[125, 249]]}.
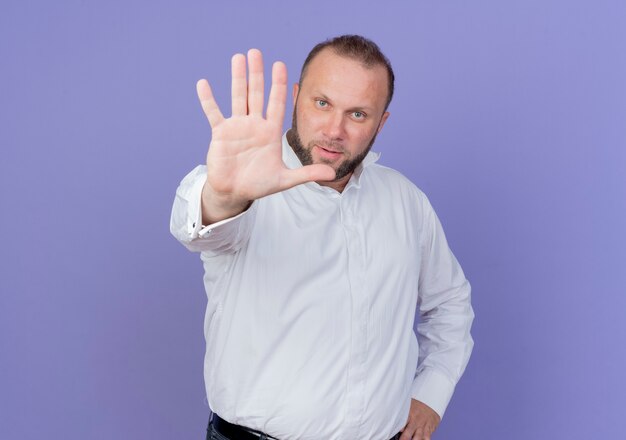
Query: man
{"points": [[315, 260]]}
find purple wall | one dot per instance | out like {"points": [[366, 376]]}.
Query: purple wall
{"points": [[511, 116]]}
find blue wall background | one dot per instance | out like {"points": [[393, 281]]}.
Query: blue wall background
{"points": [[511, 116]]}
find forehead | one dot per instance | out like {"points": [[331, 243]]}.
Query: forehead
{"points": [[346, 80]]}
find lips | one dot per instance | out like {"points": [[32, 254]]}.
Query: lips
{"points": [[329, 149], [328, 153]]}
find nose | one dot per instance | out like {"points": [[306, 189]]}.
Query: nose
{"points": [[335, 126]]}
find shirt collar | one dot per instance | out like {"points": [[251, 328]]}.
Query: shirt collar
{"points": [[292, 162]]}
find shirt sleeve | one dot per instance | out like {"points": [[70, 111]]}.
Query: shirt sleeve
{"points": [[223, 237], [445, 318]]}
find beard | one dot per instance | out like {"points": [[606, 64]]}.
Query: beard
{"points": [[304, 153]]}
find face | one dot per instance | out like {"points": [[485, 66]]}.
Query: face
{"points": [[339, 110]]}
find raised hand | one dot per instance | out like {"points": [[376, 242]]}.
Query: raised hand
{"points": [[244, 162]]}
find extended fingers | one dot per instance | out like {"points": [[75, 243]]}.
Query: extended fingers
{"points": [[248, 95], [207, 101], [255, 82], [278, 93], [239, 88]]}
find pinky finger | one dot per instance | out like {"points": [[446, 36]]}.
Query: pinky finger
{"points": [[207, 101]]}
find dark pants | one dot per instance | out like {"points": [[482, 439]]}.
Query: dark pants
{"points": [[212, 434]]}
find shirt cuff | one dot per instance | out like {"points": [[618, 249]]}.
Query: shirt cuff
{"points": [[203, 231], [433, 389], [194, 215]]}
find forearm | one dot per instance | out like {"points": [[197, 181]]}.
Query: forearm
{"points": [[445, 347]]}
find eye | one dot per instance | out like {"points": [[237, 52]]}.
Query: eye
{"points": [[321, 103], [358, 115]]}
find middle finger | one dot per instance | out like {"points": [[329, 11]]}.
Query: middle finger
{"points": [[255, 83]]}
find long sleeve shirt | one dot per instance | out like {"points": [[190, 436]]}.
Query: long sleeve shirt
{"points": [[312, 296]]}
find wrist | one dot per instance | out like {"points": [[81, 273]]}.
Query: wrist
{"points": [[217, 207]]}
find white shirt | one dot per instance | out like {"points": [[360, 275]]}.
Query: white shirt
{"points": [[311, 302]]}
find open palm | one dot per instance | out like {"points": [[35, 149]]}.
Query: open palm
{"points": [[244, 162]]}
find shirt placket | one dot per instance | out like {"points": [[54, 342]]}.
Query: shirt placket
{"points": [[356, 377]]}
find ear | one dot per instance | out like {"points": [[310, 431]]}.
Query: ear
{"points": [[296, 89], [382, 122]]}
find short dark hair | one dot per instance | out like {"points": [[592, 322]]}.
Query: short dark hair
{"points": [[358, 48]]}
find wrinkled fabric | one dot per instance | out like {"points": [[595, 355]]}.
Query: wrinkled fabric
{"points": [[312, 296]]}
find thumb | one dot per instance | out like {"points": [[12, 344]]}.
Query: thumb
{"points": [[308, 173]]}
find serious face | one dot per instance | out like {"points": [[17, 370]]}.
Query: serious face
{"points": [[338, 111]]}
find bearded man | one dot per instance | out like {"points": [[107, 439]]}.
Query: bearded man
{"points": [[316, 259]]}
